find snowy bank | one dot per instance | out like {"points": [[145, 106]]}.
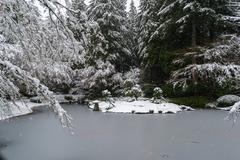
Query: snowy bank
{"points": [[139, 107], [20, 108], [27, 106]]}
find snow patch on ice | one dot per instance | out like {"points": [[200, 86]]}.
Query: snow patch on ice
{"points": [[140, 107]]}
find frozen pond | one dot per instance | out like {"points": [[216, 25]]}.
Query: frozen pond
{"points": [[198, 135]]}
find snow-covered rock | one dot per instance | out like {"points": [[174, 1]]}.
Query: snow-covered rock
{"points": [[211, 105], [227, 100], [140, 107]]}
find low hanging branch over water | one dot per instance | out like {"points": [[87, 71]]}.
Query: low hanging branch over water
{"points": [[14, 75], [39, 40]]}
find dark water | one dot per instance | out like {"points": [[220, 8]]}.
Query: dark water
{"points": [[199, 135]]}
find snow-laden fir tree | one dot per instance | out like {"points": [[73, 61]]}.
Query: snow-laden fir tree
{"points": [[111, 17], [179, 24], [77, 19], [99, 73], [191, 22], [78, 22], [132, 33], [147, 22]]}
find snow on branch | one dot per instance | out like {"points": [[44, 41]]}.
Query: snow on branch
{"points": [[15, 76]]}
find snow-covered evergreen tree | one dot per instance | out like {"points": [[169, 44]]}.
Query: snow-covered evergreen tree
{"points": [[133, 33], [178, 24], [78, 23], [111, 17], [98, 73], [146, 24], [191, 22]]}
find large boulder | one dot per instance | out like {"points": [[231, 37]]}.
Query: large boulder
{"points": [[227, 100]]}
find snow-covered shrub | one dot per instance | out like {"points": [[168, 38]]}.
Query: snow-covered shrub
{"points": [[106, 94], [107, 97], [128, 83], [157, 93], [130, 79], [98, 78], [56, 75], [134, 92], [132, 76]]}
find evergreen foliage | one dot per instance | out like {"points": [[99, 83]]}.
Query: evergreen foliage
{"points": [[132, 34], [167, 25], [111, 18], [95, 48]]}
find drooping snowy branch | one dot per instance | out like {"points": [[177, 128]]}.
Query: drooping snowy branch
{"points": [[16, 78], [220, 65], [234, 112], [29, 46]]}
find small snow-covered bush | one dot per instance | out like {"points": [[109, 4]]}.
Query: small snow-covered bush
{"points": [[98, 78], [134, 92], [106, 94], [132, 76], [157, 93], [128, 83]]}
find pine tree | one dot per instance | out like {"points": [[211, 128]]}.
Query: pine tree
{"points": [[191, 21], [111, 17], [132, 33], [178, 24], [78, 23], [147, 22]]}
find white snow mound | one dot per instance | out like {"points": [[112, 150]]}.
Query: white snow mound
{"points": [[140, 107]]}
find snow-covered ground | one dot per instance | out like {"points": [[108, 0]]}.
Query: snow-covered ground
{"points": [[25, 106], [139, 107], [20, 108]]}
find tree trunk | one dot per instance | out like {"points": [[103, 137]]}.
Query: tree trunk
{"points": [[194, 33]]}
